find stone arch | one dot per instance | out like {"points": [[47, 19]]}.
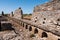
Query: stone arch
{"points": [[44, 34], [44, 18], [26, 26], [43, 22], [30, 28], [58, 19], [35, 31]]}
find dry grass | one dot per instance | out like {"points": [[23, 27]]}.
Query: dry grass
{"points": [[27, 16]]}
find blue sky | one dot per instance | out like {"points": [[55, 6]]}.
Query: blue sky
{"points": [[27, 5]]}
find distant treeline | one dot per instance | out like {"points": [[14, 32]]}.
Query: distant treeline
{"points": [[27, 14]]}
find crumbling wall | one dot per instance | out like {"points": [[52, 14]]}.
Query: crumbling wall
{"points": [[18, 13], [47, 14]]}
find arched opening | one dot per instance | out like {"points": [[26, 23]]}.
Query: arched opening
{"points": [[43, 22], [36, 30], [58, 39], [44, 18], [58, 19], [44, 34], [26, 27], [30, 28]]}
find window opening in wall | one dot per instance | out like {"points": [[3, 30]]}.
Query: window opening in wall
{"points": [[36, 30], [43, 22], [26, 27], [23, 24], [58, 19], [44, 18], [30, 28], [44, 34]]}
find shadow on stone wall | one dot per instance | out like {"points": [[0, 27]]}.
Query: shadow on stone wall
{"points": [[6, 26]]}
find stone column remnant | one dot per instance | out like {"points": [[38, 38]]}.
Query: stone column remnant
{"points": [[18, 13]]}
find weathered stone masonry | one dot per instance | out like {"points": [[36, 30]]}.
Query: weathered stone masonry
{"points": [[45, 22]]}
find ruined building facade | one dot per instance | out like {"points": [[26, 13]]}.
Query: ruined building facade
{"points": [[48, 15], [18, 13], [47, 19]]}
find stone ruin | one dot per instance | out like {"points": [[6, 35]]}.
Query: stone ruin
{"points": [[46, 15], [11, 14], [49, 6], [17, 14]]}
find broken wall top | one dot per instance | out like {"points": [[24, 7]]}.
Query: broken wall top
{"points": [[49, 6]]}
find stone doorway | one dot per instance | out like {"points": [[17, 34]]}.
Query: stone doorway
{"points": [[44, 34]]}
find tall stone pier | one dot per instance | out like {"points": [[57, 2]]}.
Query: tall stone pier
{"points": [[18, 13]]}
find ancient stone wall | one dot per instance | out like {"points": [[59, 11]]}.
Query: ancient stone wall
{"points": [[47, 14], [18, 13], [46, 17], [34, 33], [11, 14]]}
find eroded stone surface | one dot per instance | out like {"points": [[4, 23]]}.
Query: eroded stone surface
{"points": [[18, 13]]}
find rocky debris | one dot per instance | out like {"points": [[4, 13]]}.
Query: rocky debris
{"points": [[11, 35], [23, 35]]}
